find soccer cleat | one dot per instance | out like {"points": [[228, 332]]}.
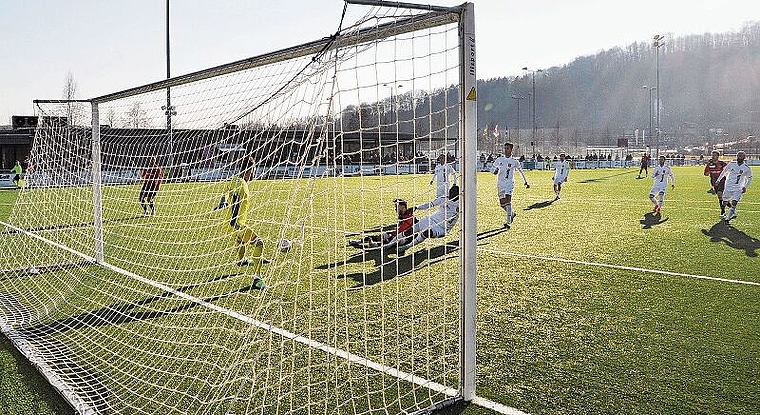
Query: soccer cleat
{"points": [[654, 209], [258, 283], [507, 225], [243, 263], [659, 210]]}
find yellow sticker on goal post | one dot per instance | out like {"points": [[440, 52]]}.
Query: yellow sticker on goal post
{"points": [[472, 96]]}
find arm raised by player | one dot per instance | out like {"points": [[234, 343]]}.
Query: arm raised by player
{"points": [[434, 203]]}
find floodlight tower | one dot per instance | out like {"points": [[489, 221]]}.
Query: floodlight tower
{"points": [[658, 43], [533, 103]]}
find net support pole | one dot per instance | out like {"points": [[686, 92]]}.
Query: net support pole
{"points": [[97, 185], [468, 151]]}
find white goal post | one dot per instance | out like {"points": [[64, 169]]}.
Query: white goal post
{"points": [[147, 286]]}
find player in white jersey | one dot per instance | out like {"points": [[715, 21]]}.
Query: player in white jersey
{"points": [[561, 173], [435, 225], [661, 174], [444, 176], [504, 168], [738, 177]]}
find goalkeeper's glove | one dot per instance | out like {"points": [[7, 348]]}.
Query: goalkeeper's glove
{"points": [[222, 203]]}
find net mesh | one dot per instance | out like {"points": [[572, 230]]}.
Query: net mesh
{"points": [[168, 321]]}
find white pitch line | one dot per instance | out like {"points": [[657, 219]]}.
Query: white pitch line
{"points": [[621, 267], [353, 358]]}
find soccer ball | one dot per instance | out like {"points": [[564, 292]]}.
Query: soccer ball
{"points": [[284, 245], [34, 271]]}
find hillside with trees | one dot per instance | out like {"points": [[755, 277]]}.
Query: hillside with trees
{"points": [[709, 93]]}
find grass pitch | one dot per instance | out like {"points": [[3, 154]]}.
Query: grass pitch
{"points": [[590, 304]]}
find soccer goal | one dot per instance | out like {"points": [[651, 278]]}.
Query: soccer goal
{"points": [[183, 246]]}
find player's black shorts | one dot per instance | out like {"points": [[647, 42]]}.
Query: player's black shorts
{"points": [[148, 191], [16, 177], [720, 186]]}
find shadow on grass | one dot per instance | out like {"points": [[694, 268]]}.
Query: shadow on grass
{"points": [[87, 382], [605, 178], [734, 238], [72, 225], [41, 269], [541, 205], [389, 268], [456, 409], [30, 379], [651, 219], [129, 312], [384, 228]]}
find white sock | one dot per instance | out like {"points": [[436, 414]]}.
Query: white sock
{"points": [[509, 213], [732, 211]]}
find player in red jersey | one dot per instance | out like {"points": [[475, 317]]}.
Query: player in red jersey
{"points": [[151, 177], [644, 166], [406, 221], [713, 168]]}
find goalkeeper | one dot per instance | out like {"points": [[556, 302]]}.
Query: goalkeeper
{"points": [[237, 203], [403, 230]]}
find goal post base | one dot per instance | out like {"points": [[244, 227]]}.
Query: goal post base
{"points": [[434, 408]]}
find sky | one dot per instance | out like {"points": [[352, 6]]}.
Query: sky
{"points": [[113, 45]]}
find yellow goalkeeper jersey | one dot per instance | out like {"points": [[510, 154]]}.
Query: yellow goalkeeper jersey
{"points": [[239, 203]]}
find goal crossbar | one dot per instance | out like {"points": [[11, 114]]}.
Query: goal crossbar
{"points": [[401, 26]]}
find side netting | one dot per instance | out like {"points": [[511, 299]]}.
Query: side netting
{"points": [[298, 152]]}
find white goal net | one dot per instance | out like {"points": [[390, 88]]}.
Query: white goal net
{"points": [[183, 247]]}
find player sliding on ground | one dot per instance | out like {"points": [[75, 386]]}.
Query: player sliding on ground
{"points": [[403, 229], [435, 225], [444, 176], [237, 202], [714, 168], [738, 177], [661, 174], [561, 173], [504, 167], [151, 178]]}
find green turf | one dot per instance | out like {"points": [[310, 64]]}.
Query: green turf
{"points": [[22, 389], [553, 337]]}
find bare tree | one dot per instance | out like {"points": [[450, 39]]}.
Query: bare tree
{"points": [[111, 117], [74, 113], [137, 117]]}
